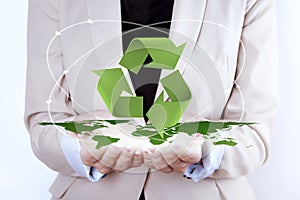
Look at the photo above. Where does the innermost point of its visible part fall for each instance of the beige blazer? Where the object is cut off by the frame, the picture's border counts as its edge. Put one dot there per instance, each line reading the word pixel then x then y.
pixel 230 64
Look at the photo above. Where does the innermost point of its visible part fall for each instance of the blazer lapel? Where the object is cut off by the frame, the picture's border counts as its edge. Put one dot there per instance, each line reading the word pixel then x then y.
pixel 187 18
pixel 106 28
pixel 186 26
pixel 186 22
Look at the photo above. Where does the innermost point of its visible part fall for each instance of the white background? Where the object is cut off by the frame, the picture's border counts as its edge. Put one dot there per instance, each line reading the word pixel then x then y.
pixel 22 176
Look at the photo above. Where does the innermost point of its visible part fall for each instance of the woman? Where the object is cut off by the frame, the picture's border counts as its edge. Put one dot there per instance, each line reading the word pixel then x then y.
pixel 213 30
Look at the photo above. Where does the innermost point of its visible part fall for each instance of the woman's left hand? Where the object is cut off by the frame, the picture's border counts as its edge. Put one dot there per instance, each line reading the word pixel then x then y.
pixel 177 156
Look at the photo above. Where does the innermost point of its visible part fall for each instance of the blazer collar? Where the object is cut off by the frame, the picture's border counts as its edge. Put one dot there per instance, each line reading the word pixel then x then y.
pixel 185 27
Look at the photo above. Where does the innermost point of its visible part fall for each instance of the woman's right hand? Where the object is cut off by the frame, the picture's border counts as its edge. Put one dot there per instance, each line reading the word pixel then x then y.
pixel 107 158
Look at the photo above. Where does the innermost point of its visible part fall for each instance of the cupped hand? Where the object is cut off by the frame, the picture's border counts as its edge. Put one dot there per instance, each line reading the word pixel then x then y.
pixel 107 158
pixel 177 156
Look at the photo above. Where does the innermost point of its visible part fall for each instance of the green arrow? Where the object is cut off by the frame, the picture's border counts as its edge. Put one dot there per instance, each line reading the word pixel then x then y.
pixel 166 114
pixel 165 55
pixel 111 85
pixel 163 52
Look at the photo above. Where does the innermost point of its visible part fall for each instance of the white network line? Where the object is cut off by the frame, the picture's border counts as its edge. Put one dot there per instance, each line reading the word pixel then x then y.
pixel 89 21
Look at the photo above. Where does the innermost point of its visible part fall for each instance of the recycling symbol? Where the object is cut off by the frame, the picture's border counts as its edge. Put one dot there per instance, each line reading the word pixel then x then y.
pixel 112 83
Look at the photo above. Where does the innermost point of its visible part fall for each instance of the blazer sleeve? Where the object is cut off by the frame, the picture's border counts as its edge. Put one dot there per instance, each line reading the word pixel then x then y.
pixel 42 24
pixel 255 94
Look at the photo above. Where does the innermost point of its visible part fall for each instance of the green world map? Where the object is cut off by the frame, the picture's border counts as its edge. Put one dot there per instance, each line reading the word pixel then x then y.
pixel 207 129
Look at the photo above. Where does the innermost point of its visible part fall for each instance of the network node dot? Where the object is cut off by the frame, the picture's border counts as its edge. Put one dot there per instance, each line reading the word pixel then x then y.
pixel 57 33
pixel 90 21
